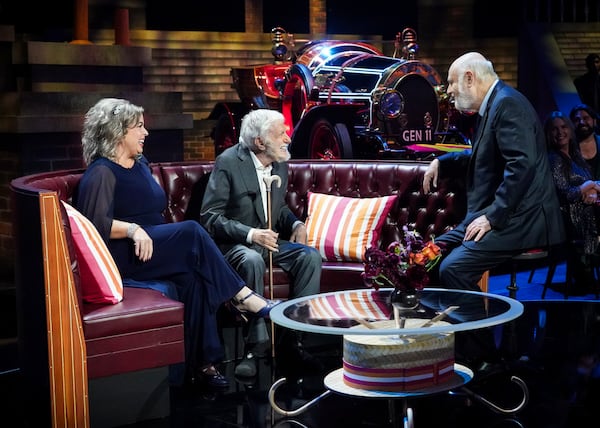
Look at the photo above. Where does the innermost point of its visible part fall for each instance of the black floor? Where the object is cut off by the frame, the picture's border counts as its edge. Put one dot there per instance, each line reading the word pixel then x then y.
pixel 554 347
pixel 556 354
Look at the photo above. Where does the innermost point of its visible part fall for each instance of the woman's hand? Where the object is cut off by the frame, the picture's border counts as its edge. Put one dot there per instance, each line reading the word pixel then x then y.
pixel 589 192
pixel 143 245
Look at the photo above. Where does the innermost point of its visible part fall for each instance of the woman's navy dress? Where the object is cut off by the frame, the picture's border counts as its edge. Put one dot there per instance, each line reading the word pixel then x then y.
pixel 184 253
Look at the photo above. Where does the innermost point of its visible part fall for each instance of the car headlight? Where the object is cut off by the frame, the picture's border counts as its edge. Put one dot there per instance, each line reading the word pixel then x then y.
pixel 391 104
pixel 279 51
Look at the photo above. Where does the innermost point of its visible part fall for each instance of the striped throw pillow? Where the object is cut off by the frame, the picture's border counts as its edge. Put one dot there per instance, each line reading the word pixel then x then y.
pixel 101 281
pixel 342 228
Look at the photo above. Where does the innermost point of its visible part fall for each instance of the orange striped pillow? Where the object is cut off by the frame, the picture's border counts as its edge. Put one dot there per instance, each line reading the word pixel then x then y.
pixel 342 228
pixel 101 281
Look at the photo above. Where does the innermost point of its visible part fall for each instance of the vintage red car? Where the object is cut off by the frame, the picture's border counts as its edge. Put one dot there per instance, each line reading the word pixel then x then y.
pixel 345 99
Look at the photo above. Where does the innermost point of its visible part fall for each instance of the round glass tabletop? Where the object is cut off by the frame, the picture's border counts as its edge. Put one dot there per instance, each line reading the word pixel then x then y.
pixel 337 312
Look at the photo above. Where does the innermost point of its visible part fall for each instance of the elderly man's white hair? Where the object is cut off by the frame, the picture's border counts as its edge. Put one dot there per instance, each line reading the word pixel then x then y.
pixel 477 63
pixel 258 123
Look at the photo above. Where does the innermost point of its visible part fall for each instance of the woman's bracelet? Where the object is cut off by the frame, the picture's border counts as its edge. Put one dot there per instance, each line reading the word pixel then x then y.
pixel 131 229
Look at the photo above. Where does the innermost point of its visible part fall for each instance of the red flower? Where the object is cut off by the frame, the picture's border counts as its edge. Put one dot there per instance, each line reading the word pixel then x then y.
pixel 404 265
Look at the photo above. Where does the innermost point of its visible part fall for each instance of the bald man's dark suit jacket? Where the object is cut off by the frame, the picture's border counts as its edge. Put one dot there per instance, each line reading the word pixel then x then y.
pixel 232 203
pixel 508 177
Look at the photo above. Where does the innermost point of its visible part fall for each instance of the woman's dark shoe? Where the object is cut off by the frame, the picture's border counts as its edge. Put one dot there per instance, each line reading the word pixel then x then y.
pixel 244 311
pixel 210 376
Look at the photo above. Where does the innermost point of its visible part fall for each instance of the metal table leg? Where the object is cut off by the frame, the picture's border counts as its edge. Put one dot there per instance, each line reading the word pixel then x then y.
pixel 300 409
pixel 517 380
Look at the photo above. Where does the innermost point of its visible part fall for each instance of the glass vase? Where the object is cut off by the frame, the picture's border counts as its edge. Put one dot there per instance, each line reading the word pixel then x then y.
pixel 405 299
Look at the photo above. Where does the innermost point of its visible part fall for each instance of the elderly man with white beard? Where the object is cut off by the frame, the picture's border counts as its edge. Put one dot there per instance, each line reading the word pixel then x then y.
pixel 512 205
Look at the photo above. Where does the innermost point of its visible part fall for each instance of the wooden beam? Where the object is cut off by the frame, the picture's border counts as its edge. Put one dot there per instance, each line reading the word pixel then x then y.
pixel 66 342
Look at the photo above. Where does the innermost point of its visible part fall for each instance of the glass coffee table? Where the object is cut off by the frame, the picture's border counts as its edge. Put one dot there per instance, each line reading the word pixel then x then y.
pixel 338 312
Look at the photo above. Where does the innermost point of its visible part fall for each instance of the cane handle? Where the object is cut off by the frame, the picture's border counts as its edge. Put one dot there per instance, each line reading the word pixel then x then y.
pixel 269 179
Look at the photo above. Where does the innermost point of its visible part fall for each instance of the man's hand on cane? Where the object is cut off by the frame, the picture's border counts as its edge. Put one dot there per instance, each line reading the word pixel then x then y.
pixel 266 238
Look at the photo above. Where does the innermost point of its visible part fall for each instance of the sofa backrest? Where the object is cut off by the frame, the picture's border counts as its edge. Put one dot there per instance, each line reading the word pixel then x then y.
pixel 430 214
pixel 184 184
pixel 63 182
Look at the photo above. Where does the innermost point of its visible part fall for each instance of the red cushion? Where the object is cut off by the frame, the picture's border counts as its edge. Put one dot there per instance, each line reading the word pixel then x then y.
pixel 101 281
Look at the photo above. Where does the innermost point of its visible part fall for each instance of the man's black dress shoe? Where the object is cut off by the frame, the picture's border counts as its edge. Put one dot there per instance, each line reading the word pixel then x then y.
pixel 211 377
pixel 247 367
pixel 487 368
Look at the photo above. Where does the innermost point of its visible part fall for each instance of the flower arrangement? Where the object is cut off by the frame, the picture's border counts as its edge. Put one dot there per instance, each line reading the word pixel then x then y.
pixel 404 265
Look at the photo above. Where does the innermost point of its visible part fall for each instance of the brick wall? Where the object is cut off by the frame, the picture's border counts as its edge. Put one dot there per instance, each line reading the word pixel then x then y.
pixel 317 16
pixel 446 32
pixel 198 145
pixel 576 41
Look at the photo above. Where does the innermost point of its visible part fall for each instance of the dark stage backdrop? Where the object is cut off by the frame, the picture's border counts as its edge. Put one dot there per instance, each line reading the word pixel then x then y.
pixel 54 19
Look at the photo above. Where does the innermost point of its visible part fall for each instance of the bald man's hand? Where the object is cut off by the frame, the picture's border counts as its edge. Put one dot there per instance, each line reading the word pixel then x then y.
pixel 430 179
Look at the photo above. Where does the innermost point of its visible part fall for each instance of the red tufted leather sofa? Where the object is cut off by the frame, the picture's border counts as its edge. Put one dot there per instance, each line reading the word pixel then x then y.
pixel 430 214
pixel 114 332
pixel 184 183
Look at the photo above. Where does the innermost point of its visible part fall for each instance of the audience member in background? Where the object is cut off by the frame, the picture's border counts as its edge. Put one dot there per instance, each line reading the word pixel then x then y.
pixel 119 195
pixel 588 84
pixel 584 120
pixel 234 211
pixel 577 193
